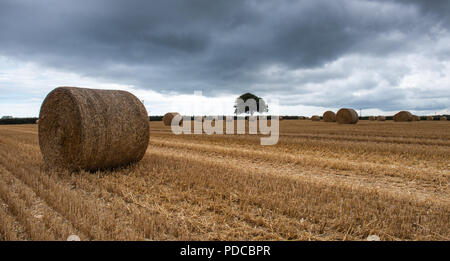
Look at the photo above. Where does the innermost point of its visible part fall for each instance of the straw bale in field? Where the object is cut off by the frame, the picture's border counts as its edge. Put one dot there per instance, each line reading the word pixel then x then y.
pixel 329 116
pixel 167 119
pixel 403 116
pixel 315 118
pixel 92 129
pixel 347 116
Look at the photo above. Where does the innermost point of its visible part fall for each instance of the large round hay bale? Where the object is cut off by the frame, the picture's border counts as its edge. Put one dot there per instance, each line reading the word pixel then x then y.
pixel 92 129
pixel 403 116
pixel 167 119
pixel 430 118
pixel 415 118
pixel 315 118
pixel 37 121
pixel 371 118
pixel 443 118
pixel 381 118
pixel 347 116
pixel 329 116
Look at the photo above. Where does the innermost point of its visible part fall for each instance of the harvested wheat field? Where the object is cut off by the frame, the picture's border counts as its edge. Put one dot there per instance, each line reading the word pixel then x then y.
pixel 320 182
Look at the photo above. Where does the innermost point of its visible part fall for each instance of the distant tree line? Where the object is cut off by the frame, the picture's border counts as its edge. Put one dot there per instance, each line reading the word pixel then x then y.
pixel 32 120
pixel 9 120
pixel 159 118
pixel 422 118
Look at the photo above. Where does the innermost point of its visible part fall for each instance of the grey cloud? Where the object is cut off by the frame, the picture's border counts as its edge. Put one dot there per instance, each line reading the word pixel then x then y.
pixel 219 46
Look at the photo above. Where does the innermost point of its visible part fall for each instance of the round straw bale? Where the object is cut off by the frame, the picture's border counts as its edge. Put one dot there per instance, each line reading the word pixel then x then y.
pixel 347 116
pixel 371 118
pixel 280 118
pixel 403 116
pixel 415 118
pixel 167 119
pixel 315 118
pixel 429 118
pixel 329 116
pixel 381 118
pixel 37 121
pixel 92 129
pixel 443 118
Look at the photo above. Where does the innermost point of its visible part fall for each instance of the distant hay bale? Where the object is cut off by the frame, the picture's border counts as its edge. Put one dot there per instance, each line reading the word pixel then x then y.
pixel 315 118
pixel 415 118
pixel 280 118
pixel 381 118
pixel 92 129
pixel 371 118
pixel 347 116
pixel 403 116
pixel 167 119
pixel 329 116
pixel 443 118
pixel 37 122
pixel 430 118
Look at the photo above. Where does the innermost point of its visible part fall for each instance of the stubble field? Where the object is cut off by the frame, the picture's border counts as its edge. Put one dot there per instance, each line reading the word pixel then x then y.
pixel 322 181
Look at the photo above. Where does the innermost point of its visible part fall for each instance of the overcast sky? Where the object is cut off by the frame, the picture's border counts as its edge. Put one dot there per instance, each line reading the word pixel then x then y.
pixel 307 56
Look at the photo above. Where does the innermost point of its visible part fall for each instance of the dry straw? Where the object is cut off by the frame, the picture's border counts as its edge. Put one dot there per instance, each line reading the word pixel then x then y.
pixel 329 116
pixel 92 129
pixel 167 119
pixel 429 118
pixel 37 122
pixel 443 118
pixel 415 118
pixel 403 116
pixel 381 118
pixel 371 118
pixel 315 118
pixel 347 116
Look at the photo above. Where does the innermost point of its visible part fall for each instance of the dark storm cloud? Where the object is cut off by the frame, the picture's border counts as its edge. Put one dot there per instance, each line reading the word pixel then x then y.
pixel 216 46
